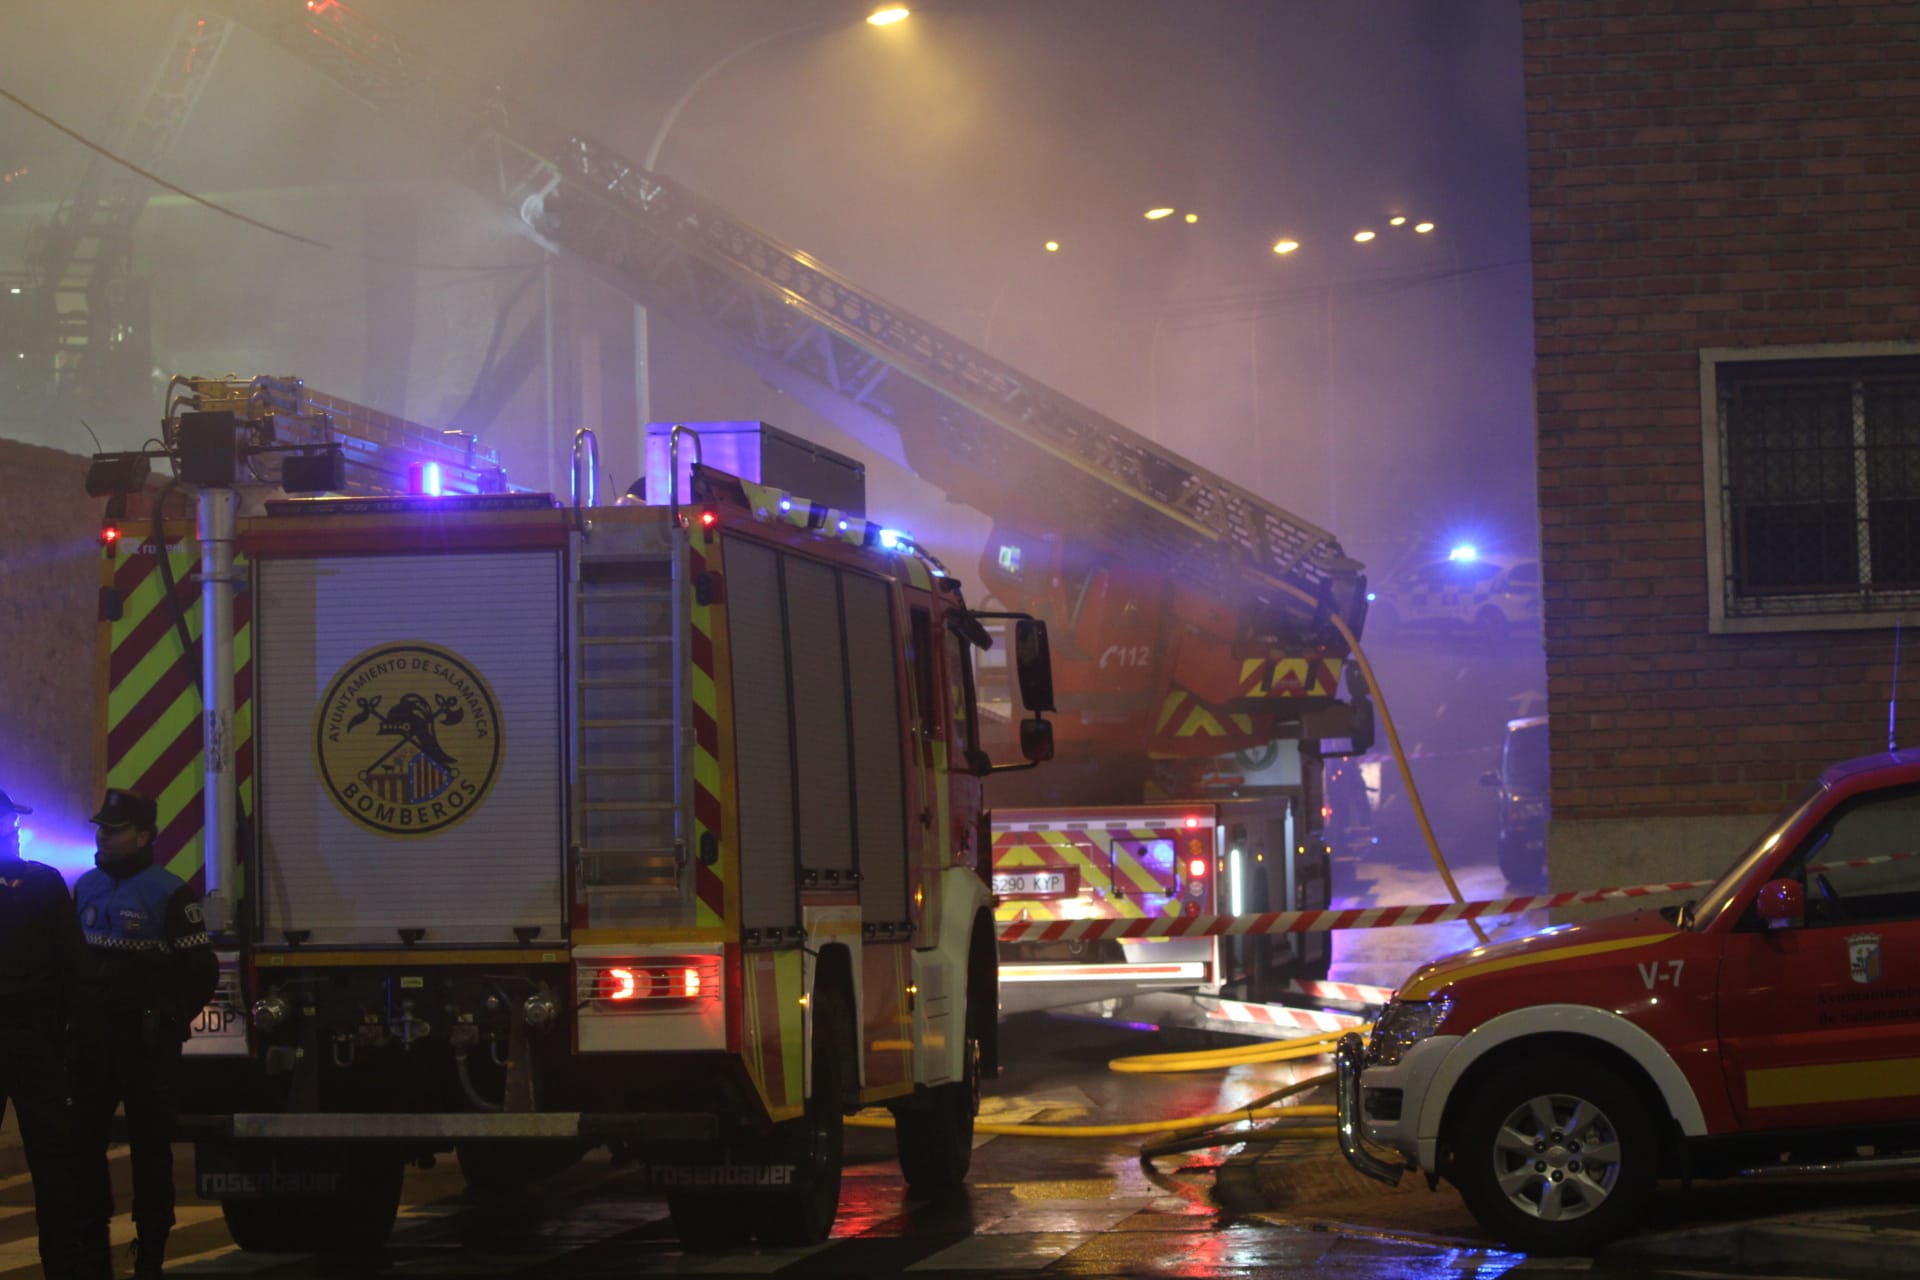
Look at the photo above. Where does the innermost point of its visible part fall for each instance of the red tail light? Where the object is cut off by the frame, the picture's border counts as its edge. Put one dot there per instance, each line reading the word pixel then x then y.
pixel 109 535
pixel 658 982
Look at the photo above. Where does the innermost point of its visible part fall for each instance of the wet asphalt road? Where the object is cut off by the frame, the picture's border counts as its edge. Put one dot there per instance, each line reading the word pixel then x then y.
pixel 1034 1206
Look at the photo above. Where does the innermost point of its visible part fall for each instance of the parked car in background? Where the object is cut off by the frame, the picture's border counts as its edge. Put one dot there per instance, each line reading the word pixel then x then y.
pixel 1487 595
pixel 1521 785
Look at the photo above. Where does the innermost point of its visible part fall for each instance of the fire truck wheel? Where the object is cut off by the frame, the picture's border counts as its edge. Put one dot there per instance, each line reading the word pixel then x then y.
pixel 1556 1155
pixel 357 1219
pixel 267 1226
pixel 815 1143
pixel 935 1137
pixel 705 1221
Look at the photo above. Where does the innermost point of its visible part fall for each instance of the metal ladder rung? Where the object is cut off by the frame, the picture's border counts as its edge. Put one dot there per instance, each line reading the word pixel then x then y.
pixel 629 806
pixel 611 682
pixel 590 594
pixel 651 722
pixel 608 769
pixel 612 640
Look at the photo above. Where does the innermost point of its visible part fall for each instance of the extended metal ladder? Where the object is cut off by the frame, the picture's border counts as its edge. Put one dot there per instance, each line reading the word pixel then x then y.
pixel 629 789
pixel 984 431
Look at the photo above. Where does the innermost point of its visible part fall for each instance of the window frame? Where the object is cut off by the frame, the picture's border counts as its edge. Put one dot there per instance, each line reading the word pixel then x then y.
pixel 1809 611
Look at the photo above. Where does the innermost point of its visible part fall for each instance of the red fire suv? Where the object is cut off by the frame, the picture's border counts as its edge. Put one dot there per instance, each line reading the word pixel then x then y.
pixel 1773 1021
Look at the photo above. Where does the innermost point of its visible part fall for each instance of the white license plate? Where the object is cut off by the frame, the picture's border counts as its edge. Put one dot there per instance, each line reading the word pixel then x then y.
pixel 219 1031
pixel 1034 884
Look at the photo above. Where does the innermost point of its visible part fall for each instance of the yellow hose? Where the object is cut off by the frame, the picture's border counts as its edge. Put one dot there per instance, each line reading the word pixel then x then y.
pixel 1399 753
pixel 873 1119
pixel 1312 1046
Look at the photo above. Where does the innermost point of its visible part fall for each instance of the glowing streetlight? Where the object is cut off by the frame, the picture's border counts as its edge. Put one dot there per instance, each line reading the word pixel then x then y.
pixel 1423 227
pixel 1154 215
pixel 1193 217
pixel 1399 220
pixel 888 16
pixel 1361 237
pixel 1053 246
pixel 1286 246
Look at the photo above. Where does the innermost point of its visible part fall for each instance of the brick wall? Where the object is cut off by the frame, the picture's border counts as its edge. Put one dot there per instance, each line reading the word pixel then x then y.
pixel 49 588
pixel 1701 174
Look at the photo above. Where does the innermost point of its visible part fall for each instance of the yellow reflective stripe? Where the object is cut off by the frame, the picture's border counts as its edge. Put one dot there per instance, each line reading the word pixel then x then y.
pixel 182 713
pixel 789 979
pixel 1423 988
pixel 1833 1082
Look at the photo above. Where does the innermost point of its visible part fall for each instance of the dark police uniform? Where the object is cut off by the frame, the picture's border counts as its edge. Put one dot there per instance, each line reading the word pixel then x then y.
pixel 40 952
pixel 149 970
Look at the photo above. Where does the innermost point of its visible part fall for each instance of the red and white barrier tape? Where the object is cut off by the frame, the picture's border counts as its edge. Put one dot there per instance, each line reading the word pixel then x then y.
pixel 1276 1015
pixel 1343 992
pixel 1316 921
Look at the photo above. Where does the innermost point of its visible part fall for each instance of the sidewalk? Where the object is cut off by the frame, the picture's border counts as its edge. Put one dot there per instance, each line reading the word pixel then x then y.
pixel 1880 1241
pixel 1721 1226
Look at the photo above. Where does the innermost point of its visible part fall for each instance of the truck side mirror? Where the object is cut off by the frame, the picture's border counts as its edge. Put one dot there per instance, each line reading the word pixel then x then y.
pixel 1033 659
pixel 1782 904
pixel 1036 739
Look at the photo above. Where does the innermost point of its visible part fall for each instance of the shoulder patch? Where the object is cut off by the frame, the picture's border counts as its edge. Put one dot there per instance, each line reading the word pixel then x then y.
pixel 194 915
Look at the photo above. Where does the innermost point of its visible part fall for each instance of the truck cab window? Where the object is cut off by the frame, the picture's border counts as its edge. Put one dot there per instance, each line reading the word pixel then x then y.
pixel 963 726
pixel 923 683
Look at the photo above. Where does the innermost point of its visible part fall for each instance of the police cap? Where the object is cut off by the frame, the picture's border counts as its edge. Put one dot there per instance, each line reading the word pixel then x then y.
pixel 127 809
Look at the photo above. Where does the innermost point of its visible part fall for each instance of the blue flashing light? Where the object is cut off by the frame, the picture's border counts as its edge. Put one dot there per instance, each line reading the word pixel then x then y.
pixel 786 504
pixel 843 526
pixel 1464 553
pixel 1370 597
pixel 69 856
pixel 938 573
pixel 424 478
pixel 895 540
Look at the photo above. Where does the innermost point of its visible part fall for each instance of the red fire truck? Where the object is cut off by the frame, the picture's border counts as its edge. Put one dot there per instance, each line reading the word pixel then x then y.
pixel 528 827
pixel 1771 1025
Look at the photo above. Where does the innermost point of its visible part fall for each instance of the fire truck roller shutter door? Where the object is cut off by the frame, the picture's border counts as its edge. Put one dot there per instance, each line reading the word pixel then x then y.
pixel 824 764
pixel 408 716
pixel 763 737
pixel 879 775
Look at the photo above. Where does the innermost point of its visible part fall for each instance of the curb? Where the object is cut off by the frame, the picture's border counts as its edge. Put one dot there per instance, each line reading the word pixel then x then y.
pixel 1853 1244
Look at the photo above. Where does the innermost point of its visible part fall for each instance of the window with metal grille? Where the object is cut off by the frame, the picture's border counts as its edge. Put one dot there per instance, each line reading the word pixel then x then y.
pixel 1816 509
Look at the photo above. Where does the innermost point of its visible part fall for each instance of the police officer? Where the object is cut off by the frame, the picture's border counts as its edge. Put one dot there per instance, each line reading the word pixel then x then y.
pixel 40 953
pixel 149 969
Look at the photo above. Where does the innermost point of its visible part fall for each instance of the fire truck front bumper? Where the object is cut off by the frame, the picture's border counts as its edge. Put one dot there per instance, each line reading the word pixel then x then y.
pixel 458 1126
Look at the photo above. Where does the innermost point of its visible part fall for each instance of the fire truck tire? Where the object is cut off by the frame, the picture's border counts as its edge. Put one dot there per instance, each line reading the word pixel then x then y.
pixel 934 1134
pixel 1556 1155
pixel 267 1226
pixel 705 1221
pixel 357 1219
pixel 815 1144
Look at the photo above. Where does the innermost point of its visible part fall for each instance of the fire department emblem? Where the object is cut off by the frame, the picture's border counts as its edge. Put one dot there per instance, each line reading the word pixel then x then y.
pixel 408 739
pixel 1863 957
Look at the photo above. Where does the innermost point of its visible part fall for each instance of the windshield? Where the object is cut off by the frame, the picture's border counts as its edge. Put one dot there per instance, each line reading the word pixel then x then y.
pixel 1720 896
